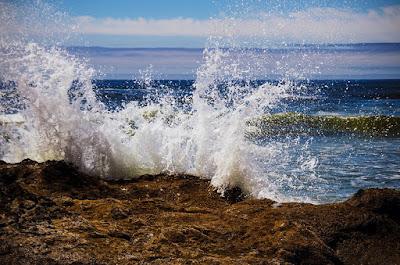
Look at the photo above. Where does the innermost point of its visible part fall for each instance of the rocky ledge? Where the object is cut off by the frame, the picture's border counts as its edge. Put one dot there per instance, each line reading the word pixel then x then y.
pixel 52 214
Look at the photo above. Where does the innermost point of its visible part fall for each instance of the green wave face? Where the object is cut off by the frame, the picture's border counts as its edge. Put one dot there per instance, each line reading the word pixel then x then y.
pixel 292 123
pixel 296 123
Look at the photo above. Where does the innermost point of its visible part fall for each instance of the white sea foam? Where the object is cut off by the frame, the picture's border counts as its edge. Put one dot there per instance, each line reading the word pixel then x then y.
pixel 210 142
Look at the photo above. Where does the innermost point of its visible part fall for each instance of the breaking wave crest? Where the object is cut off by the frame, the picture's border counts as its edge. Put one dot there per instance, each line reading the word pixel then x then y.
pixel 61 119
pixel 64 120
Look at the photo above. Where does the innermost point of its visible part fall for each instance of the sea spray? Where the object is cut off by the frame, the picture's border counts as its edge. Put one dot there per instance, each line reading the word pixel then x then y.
pixel 65 121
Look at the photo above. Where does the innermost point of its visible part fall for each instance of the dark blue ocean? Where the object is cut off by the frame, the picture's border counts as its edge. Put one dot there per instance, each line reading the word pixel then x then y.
pixel 318 97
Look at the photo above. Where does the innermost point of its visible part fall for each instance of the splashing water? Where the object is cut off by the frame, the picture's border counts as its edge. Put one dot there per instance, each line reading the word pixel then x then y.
pixel 63 120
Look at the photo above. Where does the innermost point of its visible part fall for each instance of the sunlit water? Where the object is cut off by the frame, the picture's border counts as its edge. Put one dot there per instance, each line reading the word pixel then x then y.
pixel 215 127
pixel 345 162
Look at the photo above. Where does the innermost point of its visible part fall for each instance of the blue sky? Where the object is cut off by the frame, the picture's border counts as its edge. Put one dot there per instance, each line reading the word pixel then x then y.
pixel 190 23
pixel 199 9
pixel 149 9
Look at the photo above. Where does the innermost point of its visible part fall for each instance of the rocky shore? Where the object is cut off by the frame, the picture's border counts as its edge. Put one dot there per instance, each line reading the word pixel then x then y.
pixel 52 214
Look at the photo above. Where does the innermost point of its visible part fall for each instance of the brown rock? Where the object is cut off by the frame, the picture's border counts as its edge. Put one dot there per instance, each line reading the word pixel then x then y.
pixel 118 213
pixel 120 234
pixel 52 214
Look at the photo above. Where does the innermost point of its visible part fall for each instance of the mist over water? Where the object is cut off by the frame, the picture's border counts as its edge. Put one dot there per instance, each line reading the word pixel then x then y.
pixel 206 133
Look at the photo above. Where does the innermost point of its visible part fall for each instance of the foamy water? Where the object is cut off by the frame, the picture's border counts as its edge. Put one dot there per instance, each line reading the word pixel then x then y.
pixel 209 141
pixel 63 120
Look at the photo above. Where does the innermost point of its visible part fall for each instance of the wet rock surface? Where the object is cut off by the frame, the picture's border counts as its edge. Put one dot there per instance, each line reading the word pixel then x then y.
pixel 52 214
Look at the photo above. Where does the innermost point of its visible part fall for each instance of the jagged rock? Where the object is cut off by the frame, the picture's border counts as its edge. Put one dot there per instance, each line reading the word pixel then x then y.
pixel 52 214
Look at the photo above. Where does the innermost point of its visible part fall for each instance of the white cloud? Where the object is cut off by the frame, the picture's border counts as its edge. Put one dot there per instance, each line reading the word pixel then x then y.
pixel 311 25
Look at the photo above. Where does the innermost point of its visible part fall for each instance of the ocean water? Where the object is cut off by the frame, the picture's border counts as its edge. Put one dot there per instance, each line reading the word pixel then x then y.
pixel 269 121
pixel 322 61
pixel 355 149
pixel 340 161
pixel 320 141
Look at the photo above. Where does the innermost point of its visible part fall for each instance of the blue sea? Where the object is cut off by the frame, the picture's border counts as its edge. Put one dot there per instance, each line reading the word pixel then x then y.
pixel 323 61
pixel 311 123
pixel 347 159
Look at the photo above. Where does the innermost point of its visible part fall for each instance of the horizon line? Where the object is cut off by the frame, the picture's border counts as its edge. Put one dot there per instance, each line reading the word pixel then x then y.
pixel 269 47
